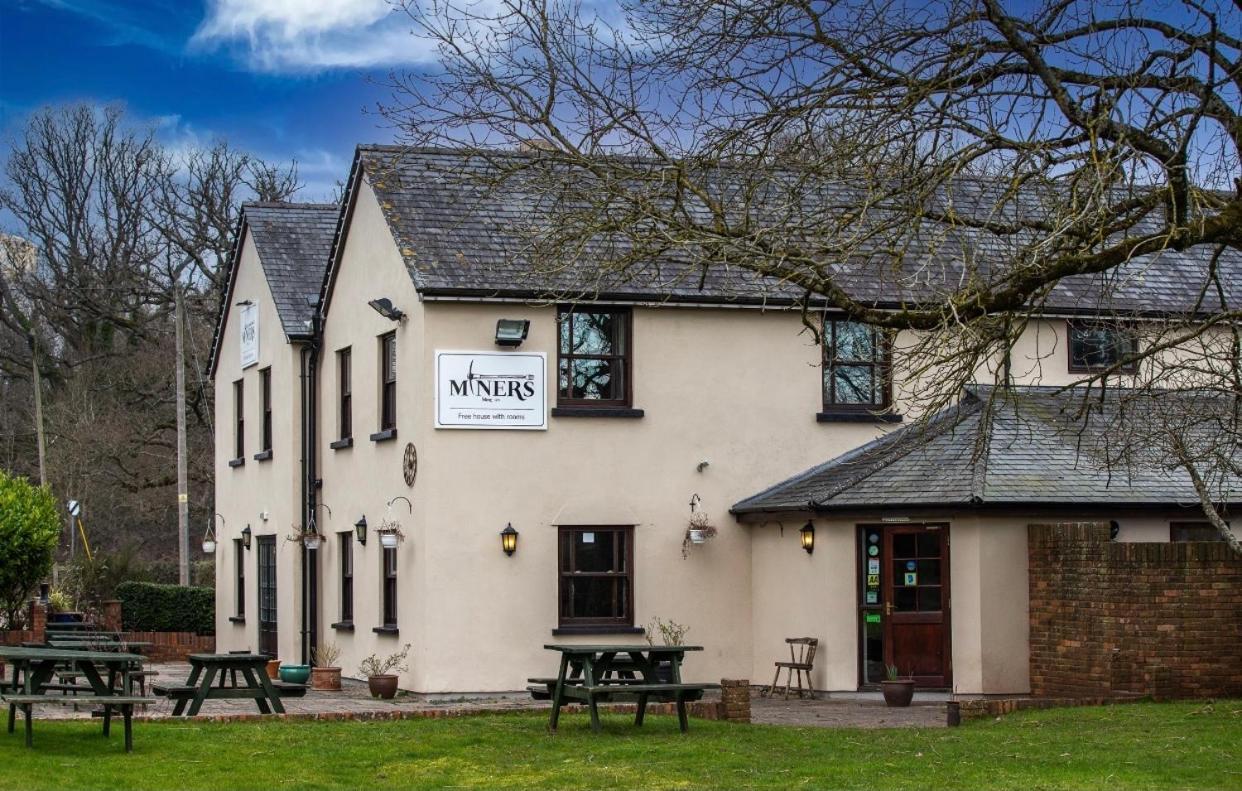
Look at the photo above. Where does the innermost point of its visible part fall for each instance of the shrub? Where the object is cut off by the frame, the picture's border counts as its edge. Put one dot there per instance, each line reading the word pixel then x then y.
pixel 151 607
pixel 29 531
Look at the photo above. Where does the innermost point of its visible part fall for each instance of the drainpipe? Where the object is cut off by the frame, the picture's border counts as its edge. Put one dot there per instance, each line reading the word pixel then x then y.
pixel 310 492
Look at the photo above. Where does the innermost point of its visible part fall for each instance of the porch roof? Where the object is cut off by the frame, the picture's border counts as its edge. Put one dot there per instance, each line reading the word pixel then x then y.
pixel 1020 446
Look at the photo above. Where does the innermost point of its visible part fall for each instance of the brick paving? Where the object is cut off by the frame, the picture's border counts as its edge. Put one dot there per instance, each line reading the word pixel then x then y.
pixel 354 701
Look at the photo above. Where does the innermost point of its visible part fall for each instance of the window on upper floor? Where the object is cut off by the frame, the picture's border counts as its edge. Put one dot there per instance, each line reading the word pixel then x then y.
pixel 239 419
pixel 265 397
pixel 388 381
pixel 856 368
pixel 345 411
pixel 1193 531
pixel 596 576
pixel 594 358
pixel 1097 346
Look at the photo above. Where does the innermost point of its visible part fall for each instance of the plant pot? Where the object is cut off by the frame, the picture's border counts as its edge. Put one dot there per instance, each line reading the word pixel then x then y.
pixel 295 674
pixel 311 542
pixel 273 668
pixel 65 617
pixel 697 537
pixel 326 679
pixel 898 693
pixel 384 687
pixel 388 540
pixel 209 547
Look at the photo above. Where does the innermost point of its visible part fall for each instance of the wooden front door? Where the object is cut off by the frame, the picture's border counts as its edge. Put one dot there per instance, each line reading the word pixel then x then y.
pixel 915 586
pixel 267 595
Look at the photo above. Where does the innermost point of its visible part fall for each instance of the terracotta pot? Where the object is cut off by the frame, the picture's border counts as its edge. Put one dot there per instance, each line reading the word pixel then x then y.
pixel 326 679
pixel 898 693
pixel 273 669
pixel 383 686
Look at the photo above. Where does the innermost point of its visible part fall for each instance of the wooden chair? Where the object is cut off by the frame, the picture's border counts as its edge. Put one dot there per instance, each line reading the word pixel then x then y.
pixel 801 660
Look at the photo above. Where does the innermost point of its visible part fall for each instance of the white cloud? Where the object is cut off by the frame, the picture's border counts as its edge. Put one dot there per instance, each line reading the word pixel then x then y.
pixel 312 35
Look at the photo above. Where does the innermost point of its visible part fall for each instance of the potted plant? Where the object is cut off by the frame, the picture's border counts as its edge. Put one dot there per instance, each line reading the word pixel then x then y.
pixel 380 678
pixel 326 675
pixel 699 531
pixel 273 669
pixel 295 674
pixel 898 691
pixel 390 534
pixel 310 538
pixel 60 607
pixel 671 633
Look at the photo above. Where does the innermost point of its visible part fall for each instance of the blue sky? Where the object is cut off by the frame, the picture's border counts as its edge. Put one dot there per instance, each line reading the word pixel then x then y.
pixel 282 78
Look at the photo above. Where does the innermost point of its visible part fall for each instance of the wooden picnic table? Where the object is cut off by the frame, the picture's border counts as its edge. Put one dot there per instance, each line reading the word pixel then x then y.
pixel 122 646
pixel 203 671
pixel 593 674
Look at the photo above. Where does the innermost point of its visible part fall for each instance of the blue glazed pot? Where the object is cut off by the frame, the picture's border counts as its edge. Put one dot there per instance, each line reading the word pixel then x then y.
pixel 294 674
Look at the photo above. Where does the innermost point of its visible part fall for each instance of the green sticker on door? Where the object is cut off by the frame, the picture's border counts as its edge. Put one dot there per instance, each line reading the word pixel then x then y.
pixel 872 617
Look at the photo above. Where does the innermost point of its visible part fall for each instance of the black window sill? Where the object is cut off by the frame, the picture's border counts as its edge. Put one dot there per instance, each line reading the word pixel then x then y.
pixel 237 619
pixel 239 461
pixel 389 630
pixel 597 629
pixel 343 626
pixel 385 435
pixel 596 411
pixel 263 455
pixel 857 417
pixel 343 442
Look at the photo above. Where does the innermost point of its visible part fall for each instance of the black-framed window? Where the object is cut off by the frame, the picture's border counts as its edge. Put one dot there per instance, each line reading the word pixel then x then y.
pixel 239 578
pixel 239 419
pixel 344 378
pixel 389 593
pixel 1096 346
pixel 347 577
pixel 388 381
pixel 595 356
pixel 596 576
pixel 857 369
pixel 1193 531
pixel 265 393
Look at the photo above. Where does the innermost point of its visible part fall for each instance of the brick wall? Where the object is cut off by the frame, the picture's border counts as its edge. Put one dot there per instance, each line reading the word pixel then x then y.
pixel 1115 619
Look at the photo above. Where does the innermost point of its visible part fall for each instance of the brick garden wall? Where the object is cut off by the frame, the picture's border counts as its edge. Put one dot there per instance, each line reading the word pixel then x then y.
pixel 165 646
pixel 1114 619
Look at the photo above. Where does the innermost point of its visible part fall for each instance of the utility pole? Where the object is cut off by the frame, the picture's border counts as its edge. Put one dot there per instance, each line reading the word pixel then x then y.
pixel 183 495
pixel 38 396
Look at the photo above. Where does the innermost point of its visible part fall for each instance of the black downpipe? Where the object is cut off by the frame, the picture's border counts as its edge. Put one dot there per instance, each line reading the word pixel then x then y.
pixel 310 493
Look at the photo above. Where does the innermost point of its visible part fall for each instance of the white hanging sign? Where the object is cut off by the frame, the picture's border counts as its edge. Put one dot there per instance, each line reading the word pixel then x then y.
pixel 492 390
pixel 249 335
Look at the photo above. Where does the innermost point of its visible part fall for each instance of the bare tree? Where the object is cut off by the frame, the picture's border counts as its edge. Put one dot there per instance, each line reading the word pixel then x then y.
pixel 938 169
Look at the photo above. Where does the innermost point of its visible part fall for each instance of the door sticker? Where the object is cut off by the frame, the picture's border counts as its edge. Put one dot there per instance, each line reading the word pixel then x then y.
pixel 873 550
pixel 873 565
pixel 873 617
pixel 912 578
pixel 873 580
pixel 910 565
pixel 873 597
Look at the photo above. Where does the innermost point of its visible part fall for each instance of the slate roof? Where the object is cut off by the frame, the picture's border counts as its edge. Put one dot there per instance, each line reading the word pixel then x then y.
pixel 293 241
pixel 1024 446
pixel 461 237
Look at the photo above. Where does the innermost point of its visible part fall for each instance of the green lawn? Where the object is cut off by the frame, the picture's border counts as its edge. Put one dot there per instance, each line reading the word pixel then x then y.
pixel 1182 745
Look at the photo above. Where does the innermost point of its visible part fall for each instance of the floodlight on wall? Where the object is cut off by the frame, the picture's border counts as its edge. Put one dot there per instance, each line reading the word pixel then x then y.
pixel 360 530
pixel 511 332
pixel 246 537
pixel 384 307
pixel 807 534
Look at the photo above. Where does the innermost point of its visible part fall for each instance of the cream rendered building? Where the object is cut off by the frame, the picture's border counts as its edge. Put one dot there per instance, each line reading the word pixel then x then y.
pixel 678 396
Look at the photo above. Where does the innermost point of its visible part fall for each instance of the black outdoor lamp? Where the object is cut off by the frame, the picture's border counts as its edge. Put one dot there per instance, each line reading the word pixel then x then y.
pixel 511 332
pixel 384 307
pixel 360 529
pixel 508 539
pixel 246 537
pixel 807 534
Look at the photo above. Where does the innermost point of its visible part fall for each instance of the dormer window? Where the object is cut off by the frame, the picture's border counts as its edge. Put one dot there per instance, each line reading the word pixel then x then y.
pixel 1097 346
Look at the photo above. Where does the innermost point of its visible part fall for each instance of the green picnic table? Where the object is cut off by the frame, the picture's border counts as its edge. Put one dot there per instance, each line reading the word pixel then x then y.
pixel 36 666
pixel 203 671
pixel 594 674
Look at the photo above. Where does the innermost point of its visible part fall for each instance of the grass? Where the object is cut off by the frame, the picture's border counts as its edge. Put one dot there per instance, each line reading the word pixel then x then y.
pixel 1147 745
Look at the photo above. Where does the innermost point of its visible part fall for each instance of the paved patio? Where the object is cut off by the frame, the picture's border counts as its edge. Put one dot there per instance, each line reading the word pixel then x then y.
pixel 858 710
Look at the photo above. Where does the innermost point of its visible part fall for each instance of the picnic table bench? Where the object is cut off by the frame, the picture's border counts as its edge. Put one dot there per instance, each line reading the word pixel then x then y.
pixel 594 674
pixel 36 666
pixel 198 688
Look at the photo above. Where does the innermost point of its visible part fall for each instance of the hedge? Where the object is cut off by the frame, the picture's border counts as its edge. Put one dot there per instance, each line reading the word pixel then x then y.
pixel 151 607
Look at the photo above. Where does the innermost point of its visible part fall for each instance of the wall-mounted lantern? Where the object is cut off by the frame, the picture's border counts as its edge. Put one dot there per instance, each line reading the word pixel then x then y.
pixel 508 539
pixel 807 534
pixel 511 332
pixel 246 537
pixel 360 530
pixel 384 307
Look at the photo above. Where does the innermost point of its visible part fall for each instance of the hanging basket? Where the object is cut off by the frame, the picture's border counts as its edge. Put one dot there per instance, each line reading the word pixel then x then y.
pixel 209 546
pixel 389 540
pixel 698 536
pixel 312 541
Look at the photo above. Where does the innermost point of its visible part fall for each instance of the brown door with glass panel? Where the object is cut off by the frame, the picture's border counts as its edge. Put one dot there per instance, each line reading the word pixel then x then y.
pixel 267 595
pixel 915 589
